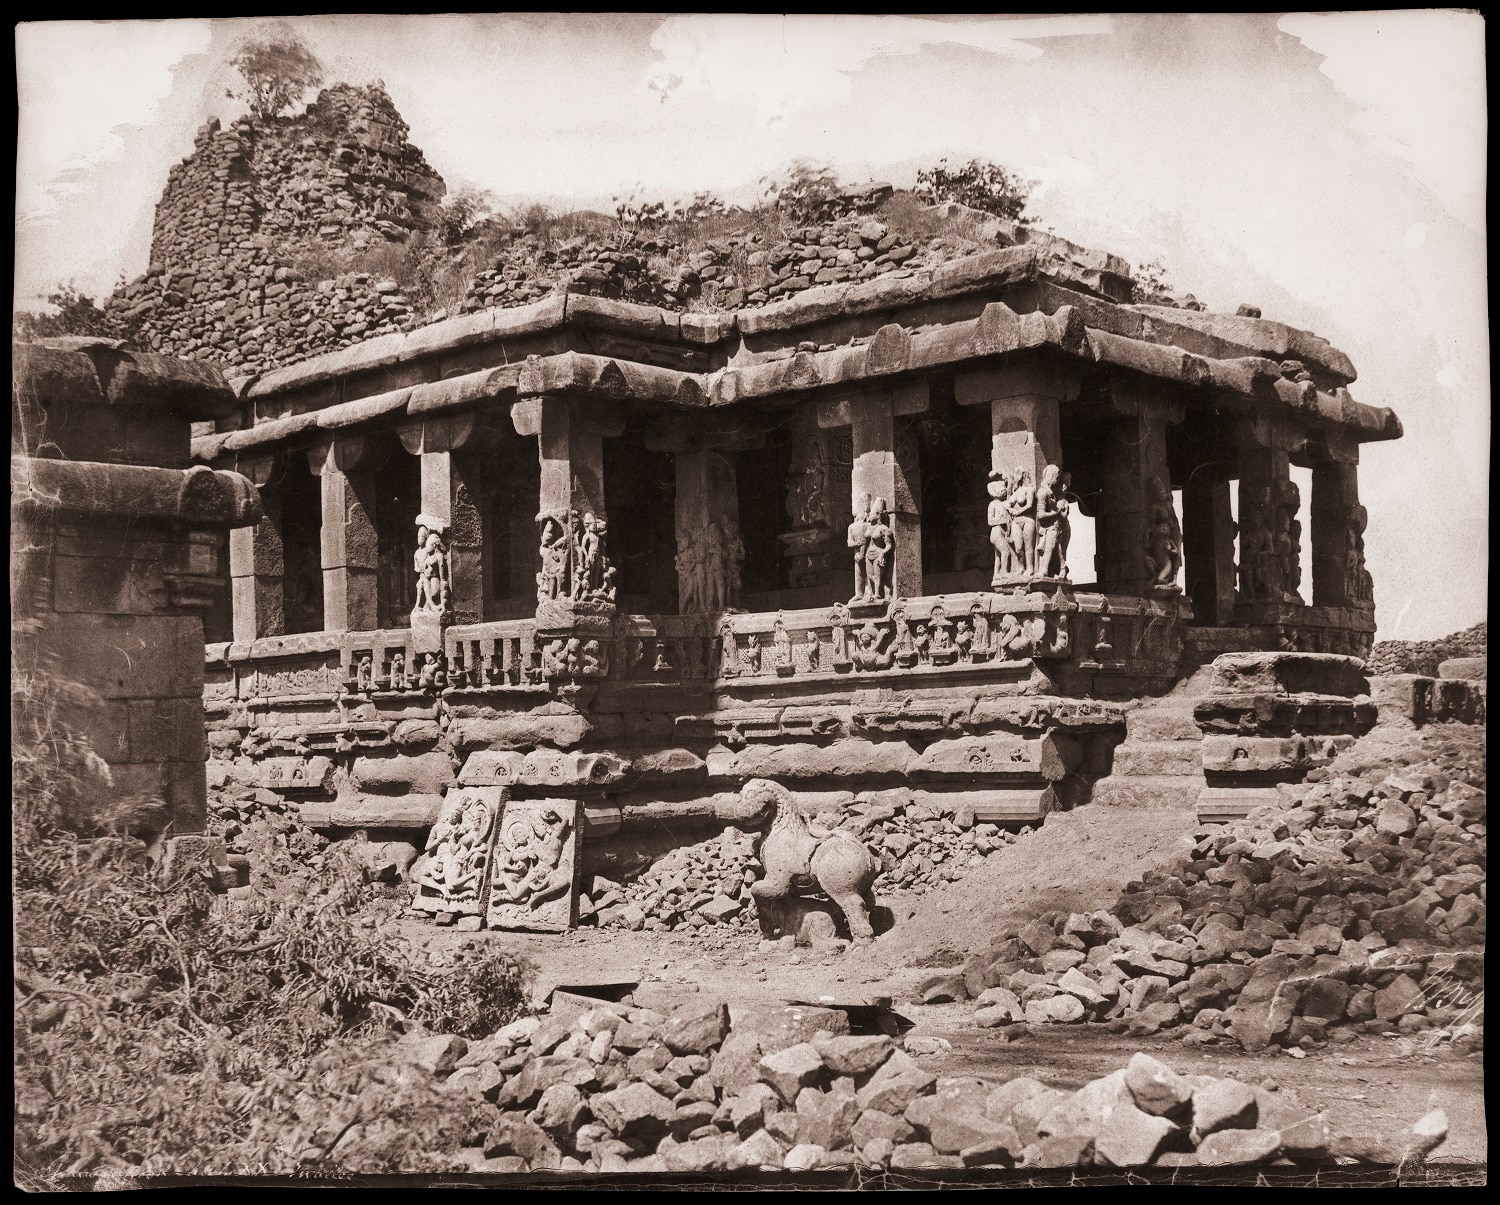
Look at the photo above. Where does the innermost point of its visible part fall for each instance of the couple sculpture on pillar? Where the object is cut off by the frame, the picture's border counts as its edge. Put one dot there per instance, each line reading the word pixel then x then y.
pixel 874 545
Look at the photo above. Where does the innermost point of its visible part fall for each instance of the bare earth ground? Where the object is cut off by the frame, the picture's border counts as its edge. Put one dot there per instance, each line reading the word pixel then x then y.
pixel 1077 861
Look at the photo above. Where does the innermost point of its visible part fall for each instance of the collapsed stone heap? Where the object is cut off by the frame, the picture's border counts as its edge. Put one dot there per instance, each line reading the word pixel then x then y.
pixel 1357 904
pixel 1424 656
pixel 596 1086
pixel 708 882
pixel 256 208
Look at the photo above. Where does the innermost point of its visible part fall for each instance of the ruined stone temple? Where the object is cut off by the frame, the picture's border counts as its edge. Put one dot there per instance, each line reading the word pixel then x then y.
pixel 540 589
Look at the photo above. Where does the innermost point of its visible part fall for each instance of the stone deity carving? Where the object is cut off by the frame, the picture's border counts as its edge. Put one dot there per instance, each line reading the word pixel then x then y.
pixel 880 545
pixel 999 488
pixel 552 581
pixel 588 553
pixel 450 878
pixel 1021 506
pixel 693 571
pixel 434 585
pixel 1289 541
pixel 858 541
pixel 364 675
pixel 1163 536
pixel 398 672
pixel 868 652
pixel 1359 586
pixel 1053 528
pixel 531 864
pixel 427 675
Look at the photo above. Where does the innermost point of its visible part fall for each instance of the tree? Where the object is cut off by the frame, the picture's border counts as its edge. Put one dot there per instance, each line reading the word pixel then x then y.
pixel 76 315
pixel 979 184
pixel 278 69
pixel 1152 287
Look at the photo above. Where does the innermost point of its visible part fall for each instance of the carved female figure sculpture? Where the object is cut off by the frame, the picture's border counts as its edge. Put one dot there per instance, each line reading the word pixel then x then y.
pixel 782 639
pixel 431 560
pixel 880 544
pixel 364 675
pixel 999 488
pixel 1022 507
pixel 398 672
pixel 1052 525
pixel 586 554
pixel 858 541
pixel 552 581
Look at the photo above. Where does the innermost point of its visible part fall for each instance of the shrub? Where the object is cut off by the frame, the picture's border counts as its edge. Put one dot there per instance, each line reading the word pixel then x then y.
pixel 75 315
pixel 1152 287
pixel 979 184
pixel 809 194
pixel 158 1031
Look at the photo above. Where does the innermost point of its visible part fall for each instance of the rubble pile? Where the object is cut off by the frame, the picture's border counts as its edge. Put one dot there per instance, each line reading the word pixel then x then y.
pixel 737 270
pixel 1424 656
pixel 1358 905
pixel 610 1087
pixel 708 883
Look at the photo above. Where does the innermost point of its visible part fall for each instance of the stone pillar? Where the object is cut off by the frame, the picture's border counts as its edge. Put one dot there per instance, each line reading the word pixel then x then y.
pixel 710 554
pixel 257 564
pixel 1024 400
pixel 886 467
pixel 1135 470
pixel 1264 478
pixel 451 481
pixel 570 444
pixel 1208 531
pixel 351 548
pixel 1337 534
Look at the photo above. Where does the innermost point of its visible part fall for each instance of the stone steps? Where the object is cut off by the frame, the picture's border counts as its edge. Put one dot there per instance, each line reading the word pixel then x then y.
pixel 1162 725
pixel 1155 758
pixel 1148 790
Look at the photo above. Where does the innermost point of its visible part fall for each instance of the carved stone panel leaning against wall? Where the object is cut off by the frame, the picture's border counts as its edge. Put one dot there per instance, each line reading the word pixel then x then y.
pixel 661 556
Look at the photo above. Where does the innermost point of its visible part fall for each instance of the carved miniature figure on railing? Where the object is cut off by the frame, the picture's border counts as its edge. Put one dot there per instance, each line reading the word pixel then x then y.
pixel 1163 537
pixel 364 675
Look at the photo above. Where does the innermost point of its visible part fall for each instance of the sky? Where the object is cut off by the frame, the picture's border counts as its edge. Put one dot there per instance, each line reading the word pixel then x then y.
pixel 1329 168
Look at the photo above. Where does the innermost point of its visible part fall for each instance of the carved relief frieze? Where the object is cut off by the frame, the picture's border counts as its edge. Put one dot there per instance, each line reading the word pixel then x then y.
pixel 532 885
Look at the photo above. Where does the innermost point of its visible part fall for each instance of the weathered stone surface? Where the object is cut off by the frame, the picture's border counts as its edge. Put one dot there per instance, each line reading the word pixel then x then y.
pixel 895 1085
pixel 633 1110
pixel 1129 1137
pixel 853 1055
pixel 1228 1148
pixel 437 1053
pixel 1223 1105
pixel 789 1071
pixel 696 1027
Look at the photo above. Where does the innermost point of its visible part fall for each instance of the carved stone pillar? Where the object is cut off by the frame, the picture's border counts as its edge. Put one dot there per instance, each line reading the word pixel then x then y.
pixel 576 589
pixel 257 564
pixel 1269 543
pixel 451 481
pixel 885 470
pixel 1208 531
pixel 1340 578
pixel 1025 438
pixel 710 554
pixel 1140 540
pixel 351 548
pixel 818 489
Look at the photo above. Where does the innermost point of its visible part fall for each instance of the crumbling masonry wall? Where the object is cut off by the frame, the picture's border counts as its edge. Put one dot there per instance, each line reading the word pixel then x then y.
pixel 254 207
pixel 115 558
